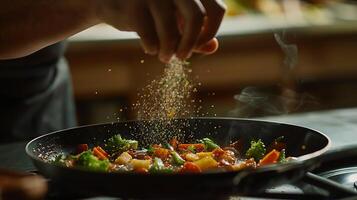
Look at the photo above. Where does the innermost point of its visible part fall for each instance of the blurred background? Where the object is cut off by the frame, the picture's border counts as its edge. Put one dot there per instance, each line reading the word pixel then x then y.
pixel 275 57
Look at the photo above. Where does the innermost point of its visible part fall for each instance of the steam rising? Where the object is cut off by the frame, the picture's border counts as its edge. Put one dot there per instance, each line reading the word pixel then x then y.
pixel 282 99
pixel 290 51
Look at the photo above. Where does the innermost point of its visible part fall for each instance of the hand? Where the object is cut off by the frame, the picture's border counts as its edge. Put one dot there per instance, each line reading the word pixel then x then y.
pixel 16 186
pixel 167 27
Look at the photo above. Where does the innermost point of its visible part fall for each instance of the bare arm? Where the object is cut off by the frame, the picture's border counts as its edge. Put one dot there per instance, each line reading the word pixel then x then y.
pixel 27 26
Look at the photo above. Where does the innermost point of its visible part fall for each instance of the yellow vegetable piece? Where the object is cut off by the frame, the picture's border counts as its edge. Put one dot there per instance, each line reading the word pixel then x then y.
pixel 140 164
pixel 206 163
pixel 192 157
pixel 204 154
pixel 123 159
pixel 239 166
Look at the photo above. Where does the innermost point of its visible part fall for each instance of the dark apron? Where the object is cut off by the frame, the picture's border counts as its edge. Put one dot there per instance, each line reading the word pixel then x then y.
pixel 35 95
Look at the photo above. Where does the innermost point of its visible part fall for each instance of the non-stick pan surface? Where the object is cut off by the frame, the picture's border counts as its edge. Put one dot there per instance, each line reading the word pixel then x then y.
pixel 301 142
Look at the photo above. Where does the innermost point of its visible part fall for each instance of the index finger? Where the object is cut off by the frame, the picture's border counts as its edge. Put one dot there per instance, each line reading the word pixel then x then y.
pixel 215 10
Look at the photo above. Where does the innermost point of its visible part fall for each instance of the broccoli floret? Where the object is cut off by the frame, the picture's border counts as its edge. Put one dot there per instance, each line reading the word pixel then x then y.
pixel 159 167
pixel 282 156
pixel 119 144
pixel 89 161
pixel 257 150
pixel 209 144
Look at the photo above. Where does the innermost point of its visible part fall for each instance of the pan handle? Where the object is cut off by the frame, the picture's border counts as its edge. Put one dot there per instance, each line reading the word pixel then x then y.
pixel 333 158
pixel 339 153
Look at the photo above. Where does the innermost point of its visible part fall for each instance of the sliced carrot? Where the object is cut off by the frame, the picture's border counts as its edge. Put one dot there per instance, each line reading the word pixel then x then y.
pixel 102 151
pixel 270 158
pixel 82 147
pixel 98 153
pixel 161 153
pixel 198 147
pixel 190 167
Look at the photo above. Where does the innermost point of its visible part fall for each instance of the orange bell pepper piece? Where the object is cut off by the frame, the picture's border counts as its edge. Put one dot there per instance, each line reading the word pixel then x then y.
pixel 190 167
pixel 270 158
pixel 161 153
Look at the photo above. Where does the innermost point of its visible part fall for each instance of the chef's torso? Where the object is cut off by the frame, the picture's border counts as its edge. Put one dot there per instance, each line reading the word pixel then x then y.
pixel 35 94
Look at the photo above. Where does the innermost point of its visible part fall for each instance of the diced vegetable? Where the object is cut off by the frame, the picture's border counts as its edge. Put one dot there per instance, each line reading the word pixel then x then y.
pixel 206 163
pixel 161 153
pixel 176 158
pixel 282 156
pixel 191 157
pixel 137 164
pixel 204 154
pixel 118 144
pixel 270 158
pixel 218 152
pixel 209 144
pixel 159 167
pixel 123 159
pixel 190 167
pixel 239 166
pixel 197 147
pixel 257 150
pixel 81 148
pixel 168 146
pixel 150 150
pixel 88 161
pixel 122 155
pixel 191 149
pixel 100 153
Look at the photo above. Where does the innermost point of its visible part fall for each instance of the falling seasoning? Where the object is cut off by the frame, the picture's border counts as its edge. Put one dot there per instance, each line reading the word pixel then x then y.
pixel 165 100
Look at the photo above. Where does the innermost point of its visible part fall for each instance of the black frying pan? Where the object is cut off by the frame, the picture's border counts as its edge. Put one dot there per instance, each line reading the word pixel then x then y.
pixel 304 143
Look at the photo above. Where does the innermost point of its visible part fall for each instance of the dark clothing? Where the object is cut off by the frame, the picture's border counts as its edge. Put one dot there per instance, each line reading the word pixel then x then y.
pixel 35 95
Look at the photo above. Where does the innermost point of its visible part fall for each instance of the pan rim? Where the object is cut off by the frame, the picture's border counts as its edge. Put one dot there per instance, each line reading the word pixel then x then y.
pixel 275 167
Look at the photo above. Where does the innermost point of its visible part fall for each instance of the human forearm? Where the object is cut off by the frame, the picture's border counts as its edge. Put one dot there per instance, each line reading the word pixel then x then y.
pixel 166 27
pixel 27 26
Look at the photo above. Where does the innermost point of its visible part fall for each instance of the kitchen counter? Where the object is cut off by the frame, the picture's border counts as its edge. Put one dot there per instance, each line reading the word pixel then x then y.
pixel 326 53
pixel 340 125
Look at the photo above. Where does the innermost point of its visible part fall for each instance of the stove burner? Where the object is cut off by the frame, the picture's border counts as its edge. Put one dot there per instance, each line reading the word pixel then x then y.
pixel 345 176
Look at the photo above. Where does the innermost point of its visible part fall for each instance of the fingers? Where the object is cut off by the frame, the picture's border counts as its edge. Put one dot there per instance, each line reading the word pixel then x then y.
pixel 163 13
pixel 145 28
pixel 208 48
pixel 164 33
pixel 215 10
pixel 193 13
